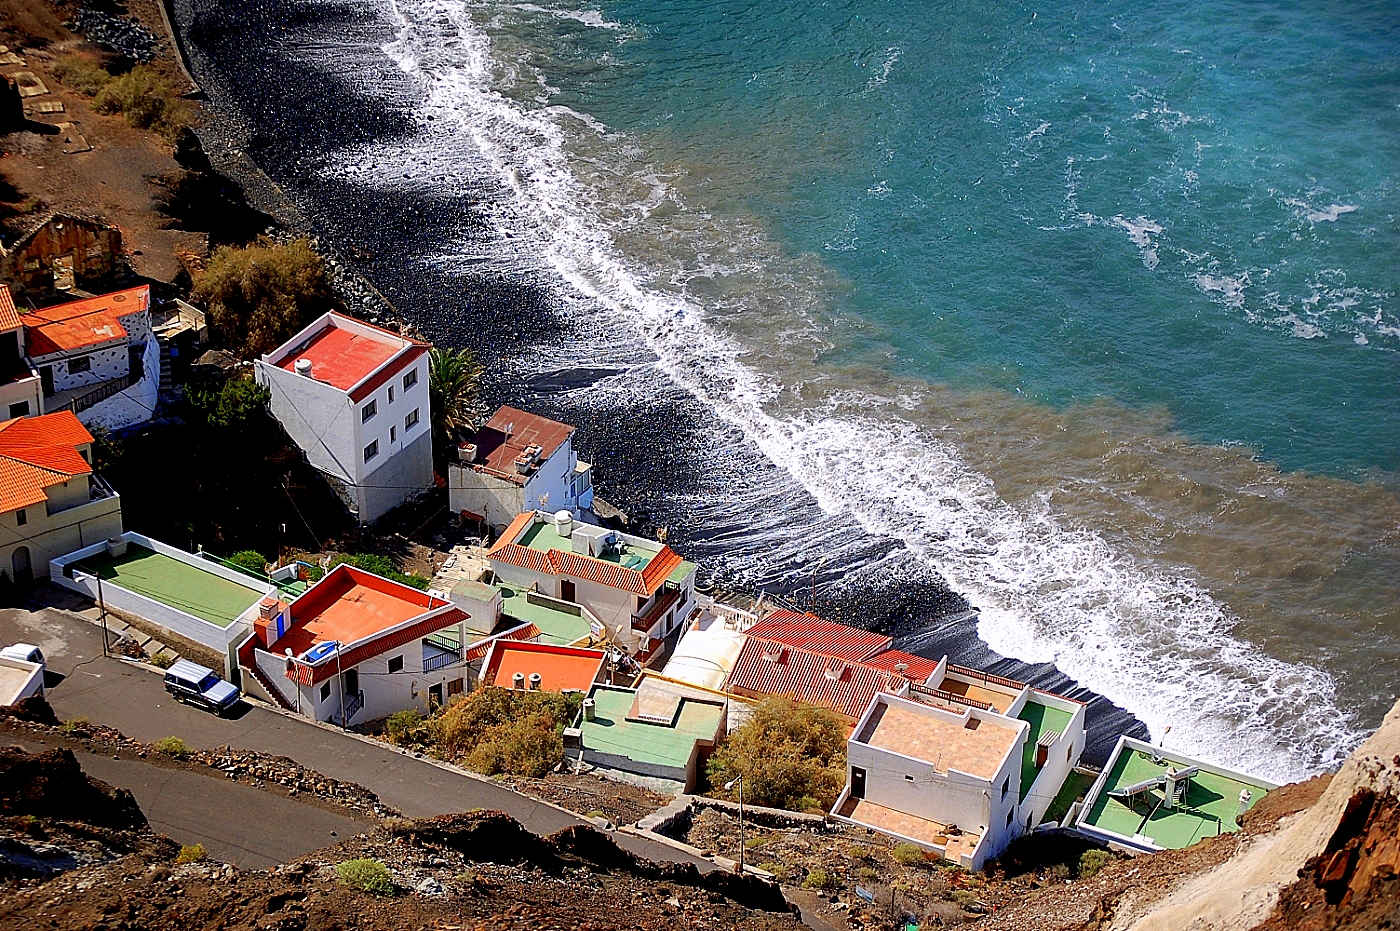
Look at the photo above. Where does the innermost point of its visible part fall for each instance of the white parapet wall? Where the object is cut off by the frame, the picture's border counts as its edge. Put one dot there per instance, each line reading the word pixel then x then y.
pixel 162 615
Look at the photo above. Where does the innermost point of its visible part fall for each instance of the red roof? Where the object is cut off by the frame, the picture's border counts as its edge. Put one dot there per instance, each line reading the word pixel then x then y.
pixel 350 605
pixel 79 324
pixel 559 668
pixel 342 358
pixel 812 633
pixel 523 632
pixel 588 568
pixel 920 668
pixel 9 316
pixel 497 449
pixel 37 453
pixel 770 667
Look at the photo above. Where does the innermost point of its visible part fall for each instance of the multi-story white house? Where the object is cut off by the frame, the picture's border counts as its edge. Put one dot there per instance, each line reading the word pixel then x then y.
pixel 963 764
pixel 519 462
pixel 354 397
pixel 51 500
pixel 639 590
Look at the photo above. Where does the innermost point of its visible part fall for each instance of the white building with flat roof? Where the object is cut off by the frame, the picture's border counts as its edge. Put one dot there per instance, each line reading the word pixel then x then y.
pixel 354 397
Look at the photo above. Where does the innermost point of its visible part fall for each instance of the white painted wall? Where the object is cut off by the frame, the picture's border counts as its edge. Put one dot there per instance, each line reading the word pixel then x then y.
pixel 76 521
pixel 22 391
pixel 136 404
pixel 1063 757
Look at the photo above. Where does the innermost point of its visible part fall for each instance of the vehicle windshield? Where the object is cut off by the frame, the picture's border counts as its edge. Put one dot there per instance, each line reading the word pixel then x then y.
pixel 208 682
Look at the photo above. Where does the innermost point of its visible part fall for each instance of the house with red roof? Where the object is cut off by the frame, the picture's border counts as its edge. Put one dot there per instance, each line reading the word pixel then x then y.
pixel 51 500
pixel 357 647
pixel 513 664
pixel 354 397
pixel 639 590
pixel 20 388
pixel 518 462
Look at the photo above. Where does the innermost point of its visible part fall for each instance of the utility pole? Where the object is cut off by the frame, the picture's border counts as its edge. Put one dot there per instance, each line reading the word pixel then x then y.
pixel 103 606
pixel 340 684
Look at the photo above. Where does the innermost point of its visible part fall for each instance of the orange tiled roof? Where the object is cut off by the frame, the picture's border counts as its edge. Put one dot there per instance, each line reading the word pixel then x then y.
pixel 9 316
pixel 37 453
pixel 588 568
pixel 88 322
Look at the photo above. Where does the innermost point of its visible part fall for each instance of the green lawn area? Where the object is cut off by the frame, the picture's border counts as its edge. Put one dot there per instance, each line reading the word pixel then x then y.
pixel 181 586
pixel 1042 719
pixel 558 627
pixel 642 742
pixel 1209 807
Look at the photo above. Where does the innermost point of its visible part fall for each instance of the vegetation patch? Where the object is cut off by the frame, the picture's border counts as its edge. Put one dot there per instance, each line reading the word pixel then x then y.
pixel 790 756
pixel 147 100
pixel 190 853
pixel 366 875
pixel 495 731
pixel 81 74
pixel 260 295
pixel 383 566
pixel 1091 861
pixel 173 746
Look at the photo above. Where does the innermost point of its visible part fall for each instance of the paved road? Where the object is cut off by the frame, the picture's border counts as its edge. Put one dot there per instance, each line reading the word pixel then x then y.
pixel 236 823
pixel 133 700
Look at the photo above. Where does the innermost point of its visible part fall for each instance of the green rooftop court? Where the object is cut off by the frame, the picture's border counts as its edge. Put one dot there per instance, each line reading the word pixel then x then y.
pixel 556 625
pixel 1043 720
pixel 177 584
pixel 643 742
pixel 1208 808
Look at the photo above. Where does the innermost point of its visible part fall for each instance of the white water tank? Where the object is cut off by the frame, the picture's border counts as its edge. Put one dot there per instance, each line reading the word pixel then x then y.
pixel 303 367
pixel 467 452
pixel 564 524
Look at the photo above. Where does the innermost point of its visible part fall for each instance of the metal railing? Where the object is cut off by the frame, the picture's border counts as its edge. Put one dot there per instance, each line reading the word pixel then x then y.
pixel 97 395
pixel 951 697
pixel 448 657
pixel 986 677
pixel 353 706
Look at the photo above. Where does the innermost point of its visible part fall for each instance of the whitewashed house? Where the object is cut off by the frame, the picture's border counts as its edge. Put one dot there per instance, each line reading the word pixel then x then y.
pixel 357 647
pixel 639 590
pixel 354 397
pixel 21 392
pixel 97 357
pixel 518 462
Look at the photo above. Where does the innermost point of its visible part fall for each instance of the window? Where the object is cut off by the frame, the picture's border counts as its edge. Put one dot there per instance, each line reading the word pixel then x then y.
pixel 1005 788
pixel 908 778
pixel 325 691
pixel 391 394
pixel 1069 753
pixel 410 379
pixel 396 664
pixel 21 518
pixel 368 411
pixel 19 409
pixel 80 364
pixel 371 450
pixel 1008 819
pixel 641 602
pixel 411 420
pixel 454 687
pixel 393 434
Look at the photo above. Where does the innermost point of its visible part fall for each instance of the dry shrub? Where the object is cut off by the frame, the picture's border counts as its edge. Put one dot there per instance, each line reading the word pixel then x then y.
pixel 790 755
pixel 147 99
pixel 81 75
pixel 260 295
pixel 496 730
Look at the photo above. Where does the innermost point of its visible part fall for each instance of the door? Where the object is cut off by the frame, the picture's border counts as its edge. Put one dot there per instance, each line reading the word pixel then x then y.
pixel 435 695
pixel 567 591
pixel 24 574
pixel 352 682
pixel 857 782
pixel 46 380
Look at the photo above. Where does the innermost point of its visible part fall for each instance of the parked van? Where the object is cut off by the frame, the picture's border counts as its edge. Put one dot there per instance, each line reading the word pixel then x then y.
pixel 200 685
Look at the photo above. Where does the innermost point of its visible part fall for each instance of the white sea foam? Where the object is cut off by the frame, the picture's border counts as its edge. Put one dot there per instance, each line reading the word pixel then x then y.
pixel 1144 635
pixel 1328 214
pixel 878 79
pixel 587 17
pixel 1038 131
pixel 1141 231
pixel 1229 289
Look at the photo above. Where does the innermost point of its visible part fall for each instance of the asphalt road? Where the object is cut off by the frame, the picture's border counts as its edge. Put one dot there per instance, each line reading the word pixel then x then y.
pixel 133 700
pixel 236 823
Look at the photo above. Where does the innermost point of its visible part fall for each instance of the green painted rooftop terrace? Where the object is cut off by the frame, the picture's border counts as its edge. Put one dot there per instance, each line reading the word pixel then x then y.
pixel 543 537
pixel 556 625
pixel 1208 808
pixel 1043 720
pixel 188 588
pixel 641 741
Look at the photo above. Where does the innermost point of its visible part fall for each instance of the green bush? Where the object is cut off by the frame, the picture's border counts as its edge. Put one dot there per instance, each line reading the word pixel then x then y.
pixel 1091 861
pixel 365 875
pixel 260 295
pixel 173 746
pixel 791 756
pixel 230 403
pixel 73 724
pixel 147 100
pixel 251 560
pixel 909 855
pixel 406 727
pixel 384 566
pixel 868 873
pixel 81 75
pixel 495 730
pixel 162 661
pixel 191 853
pixel 818 879
pixel 780 872
pixel 1057 873
pixel 964 898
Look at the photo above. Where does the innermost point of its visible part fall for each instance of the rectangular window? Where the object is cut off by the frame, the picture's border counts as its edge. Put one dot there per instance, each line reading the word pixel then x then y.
pixel 410 379
pixel 21 517
pixel 391 394
pixel 454 687
pixel 325 691
pixel 19 409
pixel 368 411
pixel 371 450
pixel 396 664
pixel 411 420
pixel 1005 788
pixel 393 434
pixel 1008 819
pixel 80 364
pixel 908 778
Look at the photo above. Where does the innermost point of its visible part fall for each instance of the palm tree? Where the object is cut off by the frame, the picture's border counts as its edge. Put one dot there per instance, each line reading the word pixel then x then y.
pixel 453 384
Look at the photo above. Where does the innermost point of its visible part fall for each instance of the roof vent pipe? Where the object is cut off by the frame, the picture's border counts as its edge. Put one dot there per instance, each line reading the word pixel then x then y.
pixel 518 680
pixel 564 524
pixel 535 681
pixel 590 710
pixel 303 367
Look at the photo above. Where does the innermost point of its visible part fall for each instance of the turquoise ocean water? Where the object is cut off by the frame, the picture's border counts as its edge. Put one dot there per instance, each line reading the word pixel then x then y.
pixel 1091 308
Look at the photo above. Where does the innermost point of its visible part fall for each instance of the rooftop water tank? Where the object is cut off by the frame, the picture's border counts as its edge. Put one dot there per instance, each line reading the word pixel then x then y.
pixel 590 709
pixel 564 524
pixel 303 367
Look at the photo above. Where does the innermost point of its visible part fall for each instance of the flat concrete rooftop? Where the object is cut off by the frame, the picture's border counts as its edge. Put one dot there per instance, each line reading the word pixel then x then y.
pixel 911 826
pixel 978 750
pixel 180 585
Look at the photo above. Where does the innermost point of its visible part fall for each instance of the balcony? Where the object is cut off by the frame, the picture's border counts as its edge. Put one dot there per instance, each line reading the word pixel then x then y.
pixel 668 599
pixel 440 652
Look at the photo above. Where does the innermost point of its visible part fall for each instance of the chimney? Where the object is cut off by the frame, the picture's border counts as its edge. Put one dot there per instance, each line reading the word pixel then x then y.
pixel 590 709
pixel 303 367
pixel 535 681
pixel 518 680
